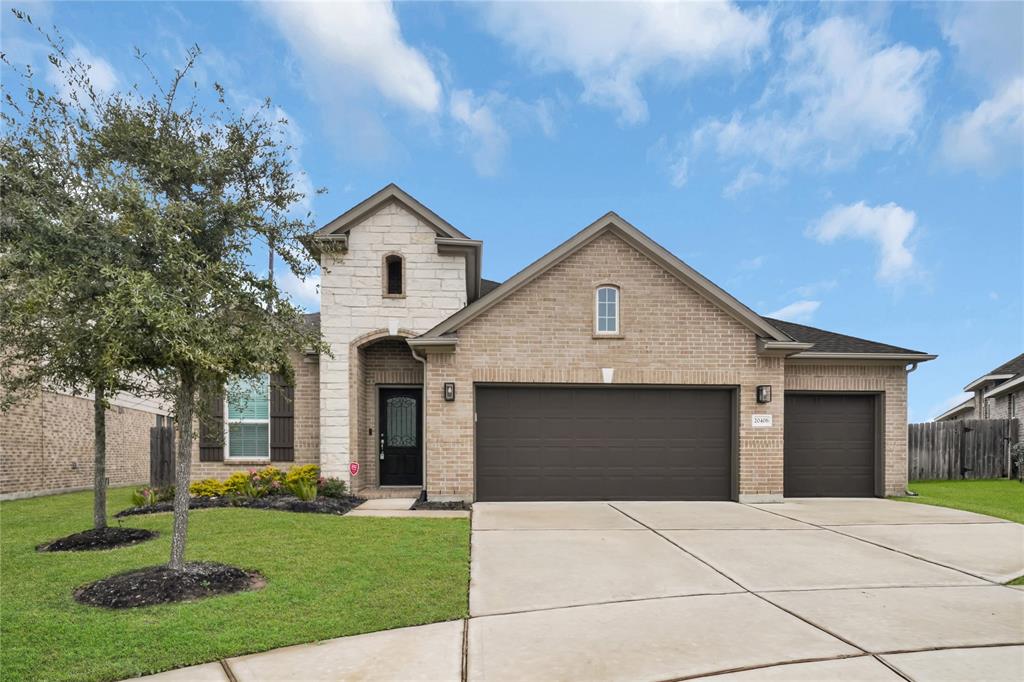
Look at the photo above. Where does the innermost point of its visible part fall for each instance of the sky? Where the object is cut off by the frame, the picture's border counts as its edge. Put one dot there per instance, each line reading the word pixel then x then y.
pixel 856 167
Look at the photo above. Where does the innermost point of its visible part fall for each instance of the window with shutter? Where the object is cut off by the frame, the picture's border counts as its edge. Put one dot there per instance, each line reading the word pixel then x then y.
pixel 247 423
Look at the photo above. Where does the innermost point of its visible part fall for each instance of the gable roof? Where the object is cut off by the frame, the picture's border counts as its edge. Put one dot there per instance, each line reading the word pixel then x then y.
pixel 613 224
pixel 386 195
pixel 835 343
pixel 1014 366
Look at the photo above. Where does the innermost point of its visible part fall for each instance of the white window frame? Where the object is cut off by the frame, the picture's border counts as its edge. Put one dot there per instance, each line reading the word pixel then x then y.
pixel 597 311
pixel 227 429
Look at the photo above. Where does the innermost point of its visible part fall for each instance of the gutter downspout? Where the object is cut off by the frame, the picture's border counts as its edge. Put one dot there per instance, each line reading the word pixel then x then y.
pixel 907 491
pixel 423 416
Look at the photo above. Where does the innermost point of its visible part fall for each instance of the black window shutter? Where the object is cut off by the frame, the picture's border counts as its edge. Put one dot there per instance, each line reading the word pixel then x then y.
pixel 211 430
pixel 282 420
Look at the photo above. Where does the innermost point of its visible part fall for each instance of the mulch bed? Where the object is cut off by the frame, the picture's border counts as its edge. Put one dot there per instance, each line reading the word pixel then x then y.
pixel 321 505
pixel 161 585
pixel 98 538
pixel 444 506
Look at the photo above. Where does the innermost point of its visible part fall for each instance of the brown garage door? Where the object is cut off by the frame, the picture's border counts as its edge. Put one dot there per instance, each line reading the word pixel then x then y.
pixel 829 445
pixel 603 443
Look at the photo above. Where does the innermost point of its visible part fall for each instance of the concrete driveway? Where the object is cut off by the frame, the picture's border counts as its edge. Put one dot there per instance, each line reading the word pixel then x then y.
pixel 804 590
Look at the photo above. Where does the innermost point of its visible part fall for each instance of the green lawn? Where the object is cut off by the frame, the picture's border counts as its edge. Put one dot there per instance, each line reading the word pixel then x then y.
pixel 327 576
pixel 1002 498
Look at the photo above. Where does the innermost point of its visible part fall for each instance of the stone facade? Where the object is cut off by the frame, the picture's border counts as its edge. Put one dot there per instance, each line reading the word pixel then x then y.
pixel 46 445
pixel 1005 406
pixel 355 311
pixel 543 333
pixel 888 380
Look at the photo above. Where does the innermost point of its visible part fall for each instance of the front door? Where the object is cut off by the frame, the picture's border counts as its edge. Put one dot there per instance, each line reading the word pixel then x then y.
pixel 401 436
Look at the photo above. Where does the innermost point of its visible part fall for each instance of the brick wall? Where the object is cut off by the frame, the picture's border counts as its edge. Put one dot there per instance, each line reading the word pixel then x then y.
pixel 888 379
pixel 543 333
pixel 999 407
pixel 46 445
pixel 306 420
pixel 387 361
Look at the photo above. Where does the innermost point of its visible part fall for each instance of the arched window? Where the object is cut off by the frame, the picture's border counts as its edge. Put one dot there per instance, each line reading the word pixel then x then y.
pixel 606 303
pixel 394 275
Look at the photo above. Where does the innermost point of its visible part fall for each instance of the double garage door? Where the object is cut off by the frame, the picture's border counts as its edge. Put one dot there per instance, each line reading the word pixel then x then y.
pixel 617 443
pixel 592 443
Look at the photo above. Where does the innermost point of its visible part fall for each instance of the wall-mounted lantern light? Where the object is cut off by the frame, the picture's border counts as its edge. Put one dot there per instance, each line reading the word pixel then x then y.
pixel 449 391
pixel 764 394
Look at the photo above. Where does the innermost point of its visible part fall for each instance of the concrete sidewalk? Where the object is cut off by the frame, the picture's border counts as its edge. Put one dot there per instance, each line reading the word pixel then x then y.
pixel 805 590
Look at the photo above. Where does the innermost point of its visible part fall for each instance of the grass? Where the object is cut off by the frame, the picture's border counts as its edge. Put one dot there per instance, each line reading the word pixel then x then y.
pixel 1001 498
pixel 327 576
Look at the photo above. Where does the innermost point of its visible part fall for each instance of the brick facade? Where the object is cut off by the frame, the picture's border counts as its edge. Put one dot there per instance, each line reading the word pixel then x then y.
pixel 46 445
pixel 888 380
pixel 543 333
pixel 306 409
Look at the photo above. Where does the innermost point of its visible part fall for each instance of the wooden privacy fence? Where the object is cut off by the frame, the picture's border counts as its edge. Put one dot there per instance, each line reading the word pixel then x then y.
pixel 161 456
pixel 965 448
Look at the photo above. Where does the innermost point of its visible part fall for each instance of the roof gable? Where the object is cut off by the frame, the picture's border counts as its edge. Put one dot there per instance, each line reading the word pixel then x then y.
pixel 390 193
pixel 612 223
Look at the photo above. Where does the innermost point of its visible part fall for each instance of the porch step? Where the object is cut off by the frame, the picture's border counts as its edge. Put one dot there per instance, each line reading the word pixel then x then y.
pixel 390 491
pixel 388 503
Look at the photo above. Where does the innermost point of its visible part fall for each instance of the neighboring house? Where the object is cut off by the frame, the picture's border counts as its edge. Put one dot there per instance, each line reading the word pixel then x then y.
pixel 46 443
pixel 996 395
pixel 607 369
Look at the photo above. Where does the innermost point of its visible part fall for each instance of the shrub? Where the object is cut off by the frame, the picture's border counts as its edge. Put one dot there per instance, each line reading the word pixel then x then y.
pixel 209 487
pixel 269 475
pixel 303 489
pixel 306 472
pixel 147 496
pixel 333 487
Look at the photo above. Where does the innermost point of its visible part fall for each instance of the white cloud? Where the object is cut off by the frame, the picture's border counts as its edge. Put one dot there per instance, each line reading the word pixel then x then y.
pixel 748 178
pixel 752 263
pixel 843 91
pixel 361 41
pixel 482 132
pixel 304 293
pixel 991 135
pixel 988 40
pixel 814 288
pixel 102 75
pixel 798 311
pixel 889 226
pixel 485 123
pixel 612 47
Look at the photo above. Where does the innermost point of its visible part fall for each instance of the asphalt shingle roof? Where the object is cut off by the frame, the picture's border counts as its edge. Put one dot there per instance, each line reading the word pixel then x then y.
pixel 487 286
pixel 832 342
pixel 1014 366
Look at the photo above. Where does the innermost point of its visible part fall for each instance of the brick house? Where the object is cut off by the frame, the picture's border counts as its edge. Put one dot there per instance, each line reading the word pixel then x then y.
pixel 995 395
pixel 607 369
pixel 46 443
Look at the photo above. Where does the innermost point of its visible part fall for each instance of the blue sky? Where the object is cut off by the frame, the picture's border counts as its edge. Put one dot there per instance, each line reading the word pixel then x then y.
pixel 858 167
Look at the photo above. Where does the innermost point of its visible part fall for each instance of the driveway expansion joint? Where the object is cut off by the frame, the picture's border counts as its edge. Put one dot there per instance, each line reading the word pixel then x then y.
pixel 227 670
pixel 832 529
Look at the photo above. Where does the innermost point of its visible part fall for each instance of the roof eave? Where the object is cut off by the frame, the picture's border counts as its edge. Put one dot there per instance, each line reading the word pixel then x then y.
pixel 984 379
pixel 962 407
pixel 770 348
pixel 1006 386
pixel 907 357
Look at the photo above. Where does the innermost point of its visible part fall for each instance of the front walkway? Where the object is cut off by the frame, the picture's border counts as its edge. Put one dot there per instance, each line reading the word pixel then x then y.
pixel 804 590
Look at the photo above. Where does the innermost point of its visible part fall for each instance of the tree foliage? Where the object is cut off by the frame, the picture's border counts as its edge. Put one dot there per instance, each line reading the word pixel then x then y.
pixel 191 188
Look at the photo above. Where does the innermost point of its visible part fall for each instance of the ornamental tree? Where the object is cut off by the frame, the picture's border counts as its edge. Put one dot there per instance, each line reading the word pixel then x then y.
pixel 203 186
pixel 61 253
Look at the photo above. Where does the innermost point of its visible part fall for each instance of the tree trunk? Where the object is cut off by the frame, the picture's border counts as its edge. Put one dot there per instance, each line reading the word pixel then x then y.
pixel 184 407
pixel 99 497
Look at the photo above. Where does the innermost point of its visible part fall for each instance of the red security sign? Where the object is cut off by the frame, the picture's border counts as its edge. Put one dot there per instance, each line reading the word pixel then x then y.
pixel 353 468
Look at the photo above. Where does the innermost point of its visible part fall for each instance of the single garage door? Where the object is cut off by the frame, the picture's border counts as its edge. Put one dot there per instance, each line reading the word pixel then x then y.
pixel 603 443
pixel 830 443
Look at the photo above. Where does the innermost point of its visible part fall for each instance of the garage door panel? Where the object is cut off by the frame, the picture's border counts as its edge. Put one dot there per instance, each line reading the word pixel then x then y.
pixel 570 443
pixel 830 442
